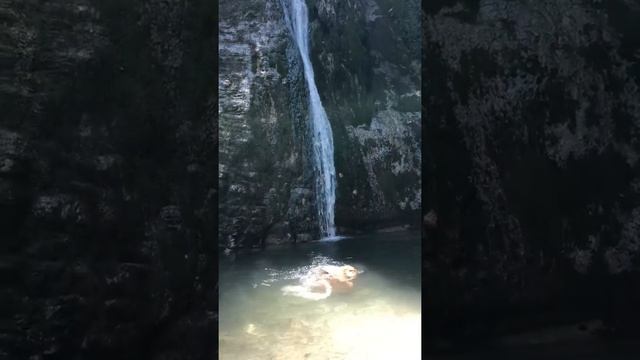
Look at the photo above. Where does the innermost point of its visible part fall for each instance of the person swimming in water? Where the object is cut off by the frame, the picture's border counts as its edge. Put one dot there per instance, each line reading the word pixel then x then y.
pixel 322 281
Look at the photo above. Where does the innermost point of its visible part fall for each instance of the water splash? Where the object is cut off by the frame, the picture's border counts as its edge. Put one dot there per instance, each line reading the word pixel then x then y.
pixel 334 238
pixel 298 273
pixel 296 16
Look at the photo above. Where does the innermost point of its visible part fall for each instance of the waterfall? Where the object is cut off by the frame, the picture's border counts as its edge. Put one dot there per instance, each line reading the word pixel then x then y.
pixel 296 15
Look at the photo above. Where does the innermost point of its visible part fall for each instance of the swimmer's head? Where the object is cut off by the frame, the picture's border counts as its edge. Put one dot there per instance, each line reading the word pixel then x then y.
pixel 349 272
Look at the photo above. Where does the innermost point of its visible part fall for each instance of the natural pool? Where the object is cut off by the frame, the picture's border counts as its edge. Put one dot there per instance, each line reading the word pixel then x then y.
pixel 379 319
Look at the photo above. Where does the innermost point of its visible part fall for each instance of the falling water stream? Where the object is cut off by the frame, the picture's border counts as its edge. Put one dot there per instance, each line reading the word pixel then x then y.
pixel 296 15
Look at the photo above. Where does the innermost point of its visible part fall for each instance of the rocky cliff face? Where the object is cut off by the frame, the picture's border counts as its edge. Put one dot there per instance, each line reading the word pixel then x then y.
pixel 532 175
pixel 265 194
pixel 107 179
pixel 367 56
pixel 367 69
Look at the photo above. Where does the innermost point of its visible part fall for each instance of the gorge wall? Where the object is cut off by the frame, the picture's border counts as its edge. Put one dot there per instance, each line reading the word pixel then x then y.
pixel 532 179
pixel 107 183
pixel 108 196
pixel 366 58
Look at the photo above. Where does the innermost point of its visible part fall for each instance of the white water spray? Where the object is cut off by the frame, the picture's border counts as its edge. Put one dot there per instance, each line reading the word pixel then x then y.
pixel 296 15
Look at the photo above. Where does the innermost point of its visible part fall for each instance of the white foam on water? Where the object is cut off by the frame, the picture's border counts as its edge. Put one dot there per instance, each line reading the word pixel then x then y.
pixel 334 238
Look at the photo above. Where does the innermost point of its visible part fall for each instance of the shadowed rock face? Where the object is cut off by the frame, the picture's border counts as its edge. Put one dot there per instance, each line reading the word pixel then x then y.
pixel 107 179
pixel 264 172
pixel 365 56
pixel 532 137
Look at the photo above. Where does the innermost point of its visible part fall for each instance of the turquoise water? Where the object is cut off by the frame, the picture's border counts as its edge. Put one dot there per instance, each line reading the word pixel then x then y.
pixel 379 319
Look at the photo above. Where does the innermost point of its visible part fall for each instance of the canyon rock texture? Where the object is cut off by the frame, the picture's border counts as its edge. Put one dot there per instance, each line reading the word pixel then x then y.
pixel 532 178
pixel 107 179
pixel 366 57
